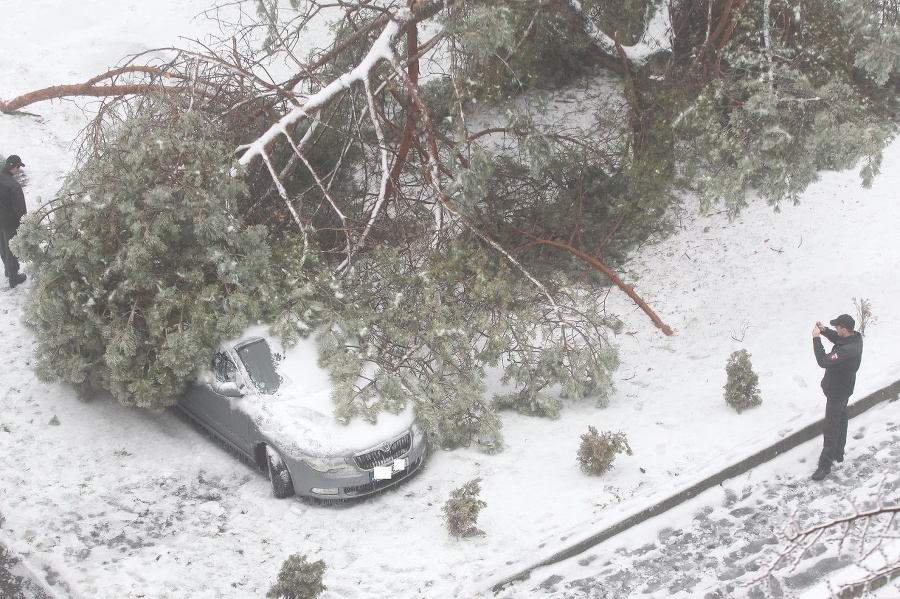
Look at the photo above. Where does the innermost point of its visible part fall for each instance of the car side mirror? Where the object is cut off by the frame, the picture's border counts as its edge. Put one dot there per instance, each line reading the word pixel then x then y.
pixel 229 389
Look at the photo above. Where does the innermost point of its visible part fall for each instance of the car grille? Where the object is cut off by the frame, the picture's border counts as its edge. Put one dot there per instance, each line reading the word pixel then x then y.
pixel 386 454
pixel 377 485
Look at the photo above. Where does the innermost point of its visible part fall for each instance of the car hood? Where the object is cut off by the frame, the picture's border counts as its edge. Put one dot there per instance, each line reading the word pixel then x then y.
pixel 303 423
pixel 300 416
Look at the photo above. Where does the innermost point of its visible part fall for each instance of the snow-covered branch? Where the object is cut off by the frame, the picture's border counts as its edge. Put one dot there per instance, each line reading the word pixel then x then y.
pixel 380 51
pixel 657 36
pixel 869 535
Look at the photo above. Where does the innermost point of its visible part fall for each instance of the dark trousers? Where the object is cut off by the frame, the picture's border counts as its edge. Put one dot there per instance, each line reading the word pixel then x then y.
pixel 10 262
pixel 834 430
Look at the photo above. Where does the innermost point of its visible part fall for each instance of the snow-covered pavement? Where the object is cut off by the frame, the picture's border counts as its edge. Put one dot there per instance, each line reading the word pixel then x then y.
pixel 15 580
pixel 721 543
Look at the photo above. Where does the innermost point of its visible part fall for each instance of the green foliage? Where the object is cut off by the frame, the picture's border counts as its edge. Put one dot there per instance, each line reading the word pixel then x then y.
pixel 471 185
pixel 776 115
pixel 742 384
pixel 439 96
pixel 551 190
pixel 625 18
pixel 874 27
pixel 141 266
pixel 298 579
pixel 776 146
pixel 470 247
pixel 598 450
pixel 426 326
pixel 462 509
pixel 531 45
pixel 530 404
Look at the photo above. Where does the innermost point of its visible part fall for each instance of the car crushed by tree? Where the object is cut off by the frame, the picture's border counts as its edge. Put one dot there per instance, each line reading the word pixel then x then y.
pixel 275 410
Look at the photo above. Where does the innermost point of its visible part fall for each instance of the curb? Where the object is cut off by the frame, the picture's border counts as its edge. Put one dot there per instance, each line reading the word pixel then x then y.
pixel 798 437
pixel 16 580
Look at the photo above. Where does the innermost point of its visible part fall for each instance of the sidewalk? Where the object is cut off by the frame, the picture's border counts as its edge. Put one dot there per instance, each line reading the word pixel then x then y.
pixel 718 538
pixel 15 582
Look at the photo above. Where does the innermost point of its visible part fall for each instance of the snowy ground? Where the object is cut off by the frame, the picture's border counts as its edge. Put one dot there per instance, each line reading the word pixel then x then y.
pixel 725 542
pixel 109 502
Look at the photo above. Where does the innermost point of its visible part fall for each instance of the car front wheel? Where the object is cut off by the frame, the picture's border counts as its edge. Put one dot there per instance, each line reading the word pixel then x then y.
pixel 282 485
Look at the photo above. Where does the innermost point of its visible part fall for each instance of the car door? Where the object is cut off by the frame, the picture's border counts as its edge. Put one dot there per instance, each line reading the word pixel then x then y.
pixel 214 401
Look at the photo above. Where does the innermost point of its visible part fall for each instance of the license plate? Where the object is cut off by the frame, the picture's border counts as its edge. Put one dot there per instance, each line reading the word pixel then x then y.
pixel 386 472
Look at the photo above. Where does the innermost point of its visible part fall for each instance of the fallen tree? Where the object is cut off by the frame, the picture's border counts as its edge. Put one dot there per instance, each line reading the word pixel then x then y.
pixel 464 195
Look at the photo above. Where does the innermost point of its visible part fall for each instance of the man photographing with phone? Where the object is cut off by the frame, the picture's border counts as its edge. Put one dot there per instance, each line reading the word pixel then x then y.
pixel 840 378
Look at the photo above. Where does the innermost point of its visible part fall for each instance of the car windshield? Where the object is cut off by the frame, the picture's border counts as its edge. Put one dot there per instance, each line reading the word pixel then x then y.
pixel 260 365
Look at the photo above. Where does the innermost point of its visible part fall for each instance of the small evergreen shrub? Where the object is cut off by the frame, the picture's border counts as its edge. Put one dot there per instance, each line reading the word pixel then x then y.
pixel 742 384
pixel 298 579
pixel 462 509
pixel 598 451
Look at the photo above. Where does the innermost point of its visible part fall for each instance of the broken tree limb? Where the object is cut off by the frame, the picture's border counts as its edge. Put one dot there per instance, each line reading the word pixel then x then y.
pixel 93 87
pixel 616 279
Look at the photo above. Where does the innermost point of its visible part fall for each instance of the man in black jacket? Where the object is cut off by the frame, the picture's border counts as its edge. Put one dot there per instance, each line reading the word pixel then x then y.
pixel 840 377
pixel 12 209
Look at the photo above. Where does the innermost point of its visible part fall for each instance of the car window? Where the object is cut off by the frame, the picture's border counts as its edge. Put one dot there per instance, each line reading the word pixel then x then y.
pixel 260 365
pixel 223 368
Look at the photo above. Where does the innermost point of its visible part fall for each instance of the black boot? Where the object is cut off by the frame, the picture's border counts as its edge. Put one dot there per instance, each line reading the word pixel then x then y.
pixel 16 279
pixel 821 472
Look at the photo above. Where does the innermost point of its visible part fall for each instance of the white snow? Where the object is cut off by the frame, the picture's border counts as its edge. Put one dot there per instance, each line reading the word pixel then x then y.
pixel 300 415
pixel 657 36
pixel 121 502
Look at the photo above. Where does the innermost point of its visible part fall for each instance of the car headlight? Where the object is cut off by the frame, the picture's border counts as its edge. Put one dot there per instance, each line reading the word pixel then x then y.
pixel 328 464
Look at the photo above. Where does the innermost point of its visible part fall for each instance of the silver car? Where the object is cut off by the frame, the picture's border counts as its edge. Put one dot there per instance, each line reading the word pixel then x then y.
pixel 277 412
